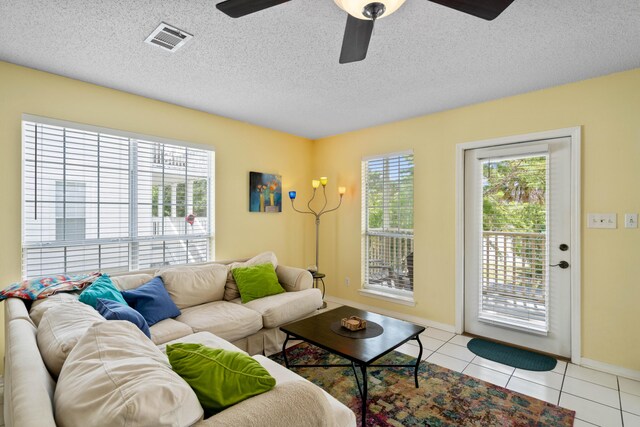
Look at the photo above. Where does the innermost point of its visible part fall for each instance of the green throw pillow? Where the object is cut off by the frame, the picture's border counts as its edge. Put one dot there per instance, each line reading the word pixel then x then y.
pixel 103 288
pixel 257 281
pixel 220 378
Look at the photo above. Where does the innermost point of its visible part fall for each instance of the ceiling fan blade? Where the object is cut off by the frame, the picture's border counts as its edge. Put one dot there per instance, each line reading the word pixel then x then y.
pixel 356 40
pixel 238 8
pixel 485 9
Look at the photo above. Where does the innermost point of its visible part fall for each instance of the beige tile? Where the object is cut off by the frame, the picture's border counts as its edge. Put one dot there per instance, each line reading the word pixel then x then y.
pixel 545 378
pixel 457 351
pixel 630 403
pixel 410 350
pixel 429 343
pixel 593 376
pixel 595 413
pixel 438 334
pixel 486 374
pixel 630 420
pixel 581 423
pixel 532 389
pixel 447 362
pixel 560 368
pixel 629 386
pixel 496 366
pixel 591 391
pixel 460 340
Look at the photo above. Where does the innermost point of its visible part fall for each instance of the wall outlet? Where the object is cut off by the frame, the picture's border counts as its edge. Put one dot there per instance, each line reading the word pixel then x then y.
pixel 347 281
pixel 631 220
pixel 599 220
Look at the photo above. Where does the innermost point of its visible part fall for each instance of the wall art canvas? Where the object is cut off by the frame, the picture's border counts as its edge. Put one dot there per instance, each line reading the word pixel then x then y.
pixel 265 192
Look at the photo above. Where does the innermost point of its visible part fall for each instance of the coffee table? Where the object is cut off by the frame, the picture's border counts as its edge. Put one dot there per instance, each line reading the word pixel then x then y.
pixel 317 330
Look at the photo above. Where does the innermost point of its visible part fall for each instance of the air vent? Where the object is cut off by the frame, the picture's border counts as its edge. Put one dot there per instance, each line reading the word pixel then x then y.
pixel 168 37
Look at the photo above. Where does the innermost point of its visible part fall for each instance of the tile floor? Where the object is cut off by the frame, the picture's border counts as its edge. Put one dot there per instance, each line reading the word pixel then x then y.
pixel 599 399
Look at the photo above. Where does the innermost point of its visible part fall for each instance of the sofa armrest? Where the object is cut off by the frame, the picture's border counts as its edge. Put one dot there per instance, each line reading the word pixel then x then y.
pixel 295 403
pixel 293 278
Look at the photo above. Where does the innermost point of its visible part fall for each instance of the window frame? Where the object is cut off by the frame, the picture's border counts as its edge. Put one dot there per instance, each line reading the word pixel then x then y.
pixel 133 239
pixel 374 290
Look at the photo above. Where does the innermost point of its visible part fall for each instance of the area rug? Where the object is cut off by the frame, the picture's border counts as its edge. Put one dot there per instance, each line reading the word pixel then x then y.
pixel 445 397
pixel 512 356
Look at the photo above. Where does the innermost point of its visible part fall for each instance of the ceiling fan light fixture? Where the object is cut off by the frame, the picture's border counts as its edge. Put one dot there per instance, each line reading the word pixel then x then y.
pixel 356 8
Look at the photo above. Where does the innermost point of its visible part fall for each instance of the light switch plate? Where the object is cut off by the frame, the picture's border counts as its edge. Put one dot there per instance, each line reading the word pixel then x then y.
pixel 630 220
pixel 602 220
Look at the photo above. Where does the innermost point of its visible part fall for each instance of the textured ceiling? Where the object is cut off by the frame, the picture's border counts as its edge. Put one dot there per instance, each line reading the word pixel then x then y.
pixel 279 68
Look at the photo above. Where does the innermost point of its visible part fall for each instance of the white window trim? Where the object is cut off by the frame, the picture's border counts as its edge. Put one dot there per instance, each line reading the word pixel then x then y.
pixel 134 137
pixel 381 292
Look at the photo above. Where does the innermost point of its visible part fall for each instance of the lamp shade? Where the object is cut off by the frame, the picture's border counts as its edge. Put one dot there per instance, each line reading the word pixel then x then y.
pixel 356 7
pixel 292 195
pixel 324 180
pixel 315 183
pixel 342 190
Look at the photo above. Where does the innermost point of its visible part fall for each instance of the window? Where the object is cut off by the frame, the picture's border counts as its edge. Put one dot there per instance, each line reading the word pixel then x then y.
pixel 387 211
pixel 107 200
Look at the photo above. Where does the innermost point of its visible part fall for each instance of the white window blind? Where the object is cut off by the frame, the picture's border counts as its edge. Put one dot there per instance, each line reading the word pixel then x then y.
pixel 387 214
pixel 514 242
pixel 110 202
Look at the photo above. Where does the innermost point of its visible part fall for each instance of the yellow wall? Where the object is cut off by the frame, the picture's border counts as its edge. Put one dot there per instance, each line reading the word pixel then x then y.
pixel 239 147
pixel 607 108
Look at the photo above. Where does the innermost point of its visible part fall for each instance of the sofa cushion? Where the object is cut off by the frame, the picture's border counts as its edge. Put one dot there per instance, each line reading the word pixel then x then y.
pixel 224 319
pixel 296 403
pixel 152 301
pixel 39 307
pixel 60 329
pixel 231 289
pixel 194 285
pixel 204 338
pixel 116 377
pixel 131 281
pixel 257 281
pixel 113 310
pixel 103 288
pixel 283 308
pixel 220 378
pixel 28 386
pixel 167 330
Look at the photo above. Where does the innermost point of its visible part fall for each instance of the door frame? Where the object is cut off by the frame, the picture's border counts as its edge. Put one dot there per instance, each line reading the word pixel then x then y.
pixel 575 136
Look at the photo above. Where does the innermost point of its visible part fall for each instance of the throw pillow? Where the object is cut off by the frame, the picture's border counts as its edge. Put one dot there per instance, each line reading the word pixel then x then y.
pixel 117 377
pixel 231 289
pixel 257 282
pixel 152 301
pixel 101 288
pixel 220 378
pixel 60 330
pixel 191 285
pixel 113 310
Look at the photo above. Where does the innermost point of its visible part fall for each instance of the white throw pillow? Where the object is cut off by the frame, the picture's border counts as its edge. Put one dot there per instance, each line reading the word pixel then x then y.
pixel 195 285
pixel 231 288
pixel 117 377
pixel 39 307
pixel 60 329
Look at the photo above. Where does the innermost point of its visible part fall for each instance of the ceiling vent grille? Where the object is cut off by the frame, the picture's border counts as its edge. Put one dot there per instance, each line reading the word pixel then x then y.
pixel 168 37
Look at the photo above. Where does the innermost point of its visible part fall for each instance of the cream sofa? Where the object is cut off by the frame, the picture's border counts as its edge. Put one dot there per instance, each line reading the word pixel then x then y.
pixel 212 315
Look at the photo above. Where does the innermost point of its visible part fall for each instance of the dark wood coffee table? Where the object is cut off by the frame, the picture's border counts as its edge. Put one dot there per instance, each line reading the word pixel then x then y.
pixel 363 352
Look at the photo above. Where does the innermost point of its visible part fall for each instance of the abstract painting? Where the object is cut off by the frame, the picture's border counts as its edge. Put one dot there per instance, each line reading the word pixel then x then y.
pixel 265 192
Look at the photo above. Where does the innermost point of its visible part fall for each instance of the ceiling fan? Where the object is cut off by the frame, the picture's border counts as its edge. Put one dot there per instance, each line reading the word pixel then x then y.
pixel 363 13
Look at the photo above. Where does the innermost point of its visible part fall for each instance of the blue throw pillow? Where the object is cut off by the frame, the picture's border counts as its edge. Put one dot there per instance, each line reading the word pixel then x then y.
pixel 152 301
pixel 103 288
pixel 112 310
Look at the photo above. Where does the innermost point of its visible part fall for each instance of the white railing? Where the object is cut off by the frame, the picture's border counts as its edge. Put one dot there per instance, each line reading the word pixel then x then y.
pixel 390 260
pixel 514 275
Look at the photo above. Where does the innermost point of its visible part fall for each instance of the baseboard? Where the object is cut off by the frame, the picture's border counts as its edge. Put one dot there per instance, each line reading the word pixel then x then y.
pixel 409 318
pixel 611 369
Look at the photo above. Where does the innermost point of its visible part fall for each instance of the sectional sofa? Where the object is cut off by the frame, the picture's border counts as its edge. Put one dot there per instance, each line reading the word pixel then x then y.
pixel 58 354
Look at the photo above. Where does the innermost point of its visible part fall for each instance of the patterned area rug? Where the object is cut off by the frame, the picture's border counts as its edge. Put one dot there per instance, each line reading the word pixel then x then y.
pixel 445 397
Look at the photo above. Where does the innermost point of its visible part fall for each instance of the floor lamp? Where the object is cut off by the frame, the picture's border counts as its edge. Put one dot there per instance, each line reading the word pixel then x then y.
pixel 292 196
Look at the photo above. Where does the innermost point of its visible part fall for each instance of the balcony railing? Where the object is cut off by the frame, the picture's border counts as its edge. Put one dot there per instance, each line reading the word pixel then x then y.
pixel 514 276
pixel 390 260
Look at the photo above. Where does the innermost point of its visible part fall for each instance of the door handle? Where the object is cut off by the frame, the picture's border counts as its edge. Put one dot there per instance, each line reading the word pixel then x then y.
pixel 561 264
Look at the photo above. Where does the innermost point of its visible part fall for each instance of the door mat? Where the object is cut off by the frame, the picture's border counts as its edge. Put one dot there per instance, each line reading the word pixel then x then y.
pixel 516 357
pixel 445 398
